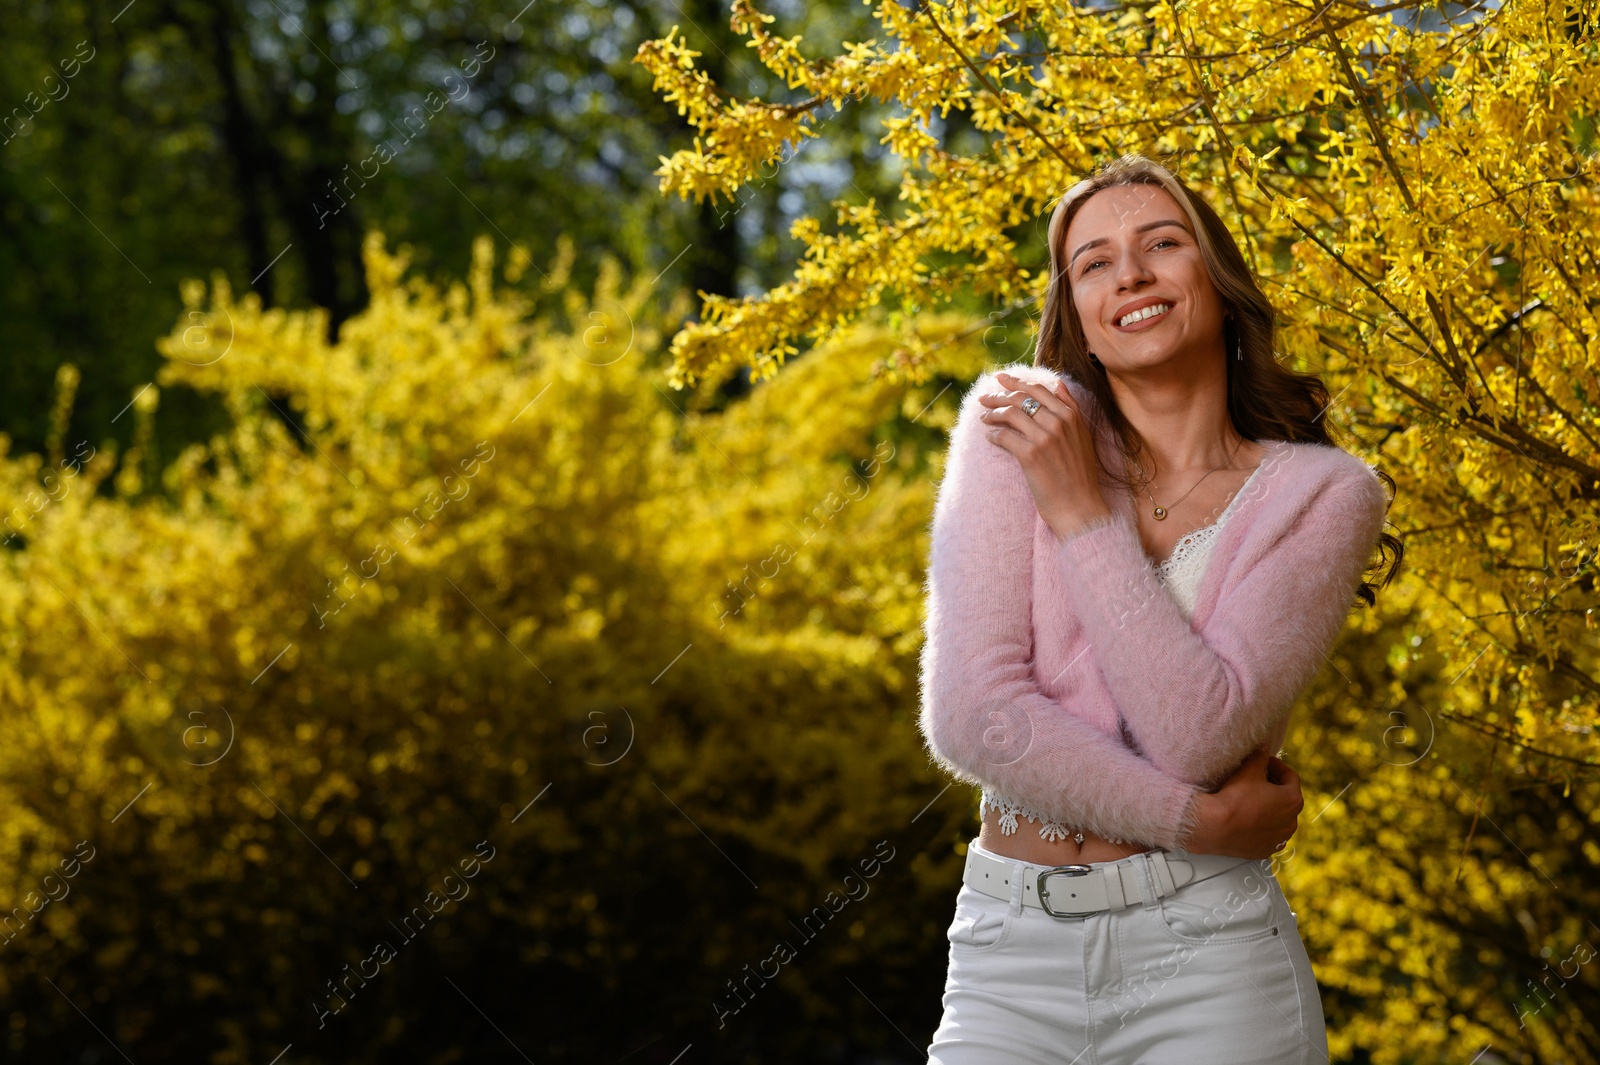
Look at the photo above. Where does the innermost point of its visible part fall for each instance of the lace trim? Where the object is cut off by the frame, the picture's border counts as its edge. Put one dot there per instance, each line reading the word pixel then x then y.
pixel 1189 546
pixel 1195 541
pixel 1008 811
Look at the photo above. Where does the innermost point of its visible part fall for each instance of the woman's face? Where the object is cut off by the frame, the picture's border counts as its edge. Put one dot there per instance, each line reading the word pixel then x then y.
pixel 1129 247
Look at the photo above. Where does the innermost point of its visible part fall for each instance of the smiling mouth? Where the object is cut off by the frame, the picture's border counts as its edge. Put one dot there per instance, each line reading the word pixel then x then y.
pixel 1144 315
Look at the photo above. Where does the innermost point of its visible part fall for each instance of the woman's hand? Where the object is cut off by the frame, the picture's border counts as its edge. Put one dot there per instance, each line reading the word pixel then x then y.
pixel 1055 446
pixel 1253 814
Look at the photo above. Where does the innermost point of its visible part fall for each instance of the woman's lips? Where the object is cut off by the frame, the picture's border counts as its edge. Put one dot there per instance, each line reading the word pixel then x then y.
pixel 1146 323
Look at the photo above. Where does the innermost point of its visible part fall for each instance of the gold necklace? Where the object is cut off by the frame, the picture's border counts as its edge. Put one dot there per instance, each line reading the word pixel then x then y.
pixel 1161 512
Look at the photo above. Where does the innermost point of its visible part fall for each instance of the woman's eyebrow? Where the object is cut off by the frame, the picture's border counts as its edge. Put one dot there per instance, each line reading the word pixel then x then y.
pixel 1096 242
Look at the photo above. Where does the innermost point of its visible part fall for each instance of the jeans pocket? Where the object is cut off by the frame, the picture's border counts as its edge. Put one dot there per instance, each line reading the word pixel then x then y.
pixel 1238 906
pixel 982 922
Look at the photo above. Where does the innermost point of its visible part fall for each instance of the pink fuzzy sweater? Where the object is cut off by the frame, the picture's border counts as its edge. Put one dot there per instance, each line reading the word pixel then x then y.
pixel 1044 659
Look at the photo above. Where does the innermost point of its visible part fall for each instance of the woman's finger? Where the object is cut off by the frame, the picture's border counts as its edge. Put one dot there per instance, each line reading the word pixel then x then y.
pixel 1006 407
pixel 1005 410
pixel 1052 397
pixel 1007 418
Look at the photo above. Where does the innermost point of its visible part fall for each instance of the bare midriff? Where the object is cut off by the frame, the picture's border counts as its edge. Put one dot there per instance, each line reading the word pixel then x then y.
pixel 1026 845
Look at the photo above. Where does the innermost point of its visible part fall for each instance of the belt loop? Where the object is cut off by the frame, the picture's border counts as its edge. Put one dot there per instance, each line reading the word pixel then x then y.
pixel 1163 873
pixel 1116 890
pixel 1147 880
pixel 1019 882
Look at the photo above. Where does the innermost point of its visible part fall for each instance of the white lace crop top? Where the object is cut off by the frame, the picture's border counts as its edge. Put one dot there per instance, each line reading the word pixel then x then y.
pixel 1180 573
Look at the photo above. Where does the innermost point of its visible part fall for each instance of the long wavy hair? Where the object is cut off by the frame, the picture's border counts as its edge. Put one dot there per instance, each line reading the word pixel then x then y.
pixel 1266 400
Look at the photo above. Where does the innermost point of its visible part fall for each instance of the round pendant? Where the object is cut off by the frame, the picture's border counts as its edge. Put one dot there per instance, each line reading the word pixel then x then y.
pixel 1161 512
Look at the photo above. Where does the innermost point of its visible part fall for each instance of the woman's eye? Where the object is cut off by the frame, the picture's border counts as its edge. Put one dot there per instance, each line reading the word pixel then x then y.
pixel 1157 244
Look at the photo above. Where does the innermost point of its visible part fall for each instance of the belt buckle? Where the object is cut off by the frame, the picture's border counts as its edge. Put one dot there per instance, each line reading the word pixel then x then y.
pixel 1044 892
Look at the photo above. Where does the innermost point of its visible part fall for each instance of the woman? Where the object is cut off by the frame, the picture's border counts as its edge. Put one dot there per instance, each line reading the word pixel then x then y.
pixel 1143 549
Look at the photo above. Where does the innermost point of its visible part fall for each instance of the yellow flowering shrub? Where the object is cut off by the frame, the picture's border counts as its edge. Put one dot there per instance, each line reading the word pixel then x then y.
pixel 1417 195
pixel 469 651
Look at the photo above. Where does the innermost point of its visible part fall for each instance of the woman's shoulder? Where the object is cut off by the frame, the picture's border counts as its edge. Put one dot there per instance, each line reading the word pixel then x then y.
pixel 1302 473
pixel 1328 465
pixel 1025 371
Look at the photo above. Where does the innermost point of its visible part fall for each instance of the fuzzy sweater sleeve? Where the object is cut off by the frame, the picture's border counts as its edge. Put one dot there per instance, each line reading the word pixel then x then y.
pixel 1197 700
pixel 983 716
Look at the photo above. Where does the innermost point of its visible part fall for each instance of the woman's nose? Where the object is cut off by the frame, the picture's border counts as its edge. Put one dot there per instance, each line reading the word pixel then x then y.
pixel 1133 270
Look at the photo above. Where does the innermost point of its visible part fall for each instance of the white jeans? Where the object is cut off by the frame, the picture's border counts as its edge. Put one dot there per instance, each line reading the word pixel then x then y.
pixel 1213 974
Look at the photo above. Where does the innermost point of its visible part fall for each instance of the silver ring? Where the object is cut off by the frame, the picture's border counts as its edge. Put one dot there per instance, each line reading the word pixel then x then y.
pixel 1030 406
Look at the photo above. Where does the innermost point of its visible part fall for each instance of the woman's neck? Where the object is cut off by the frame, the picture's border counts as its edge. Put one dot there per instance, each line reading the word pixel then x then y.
pixel 1184 423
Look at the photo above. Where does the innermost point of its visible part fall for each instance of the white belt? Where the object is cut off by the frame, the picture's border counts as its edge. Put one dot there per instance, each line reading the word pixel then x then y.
pixel 1080 890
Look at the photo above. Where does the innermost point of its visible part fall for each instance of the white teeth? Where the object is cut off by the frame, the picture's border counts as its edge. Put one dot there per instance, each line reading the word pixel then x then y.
pixel 1148 312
